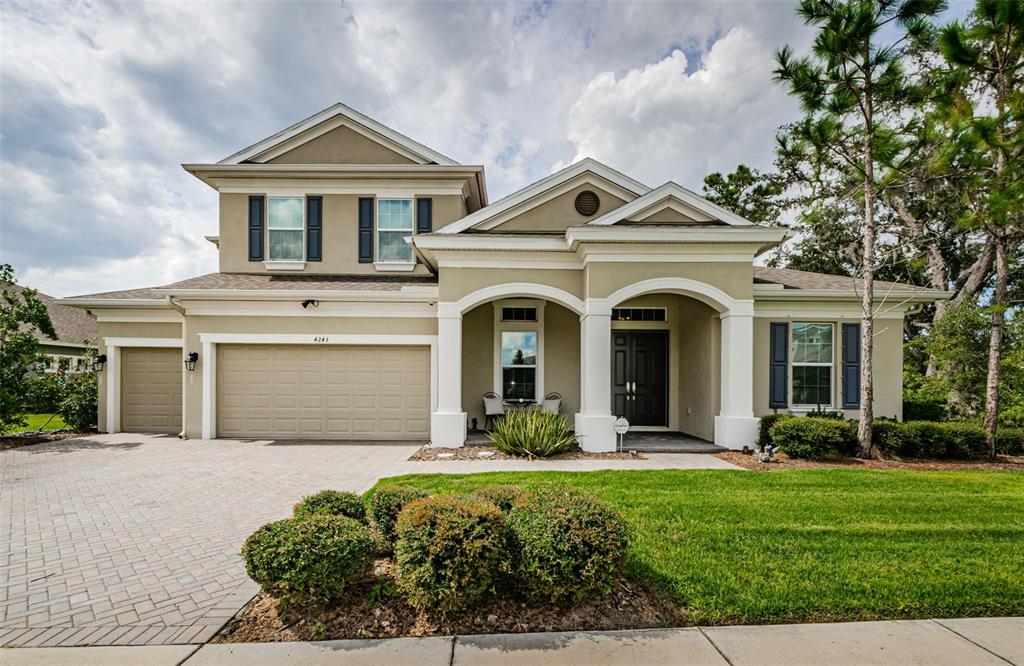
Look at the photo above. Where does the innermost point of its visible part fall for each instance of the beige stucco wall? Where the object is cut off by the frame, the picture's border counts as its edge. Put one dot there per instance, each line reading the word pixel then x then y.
pixel 699 330
pixel 560 213
pixel 454 283
pixel 128 330
pixel 887 366
pixel 341 146
pixel 340 234
pixel 561 357
pixel 195 325
pixel 734 278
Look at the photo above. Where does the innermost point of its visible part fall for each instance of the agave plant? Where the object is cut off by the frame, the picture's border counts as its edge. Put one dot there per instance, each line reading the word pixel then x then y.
pixel 532 434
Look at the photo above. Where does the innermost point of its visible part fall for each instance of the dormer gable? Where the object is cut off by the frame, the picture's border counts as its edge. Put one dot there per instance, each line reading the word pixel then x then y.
pixel 569 197
pixel 338 135
pixel 670 204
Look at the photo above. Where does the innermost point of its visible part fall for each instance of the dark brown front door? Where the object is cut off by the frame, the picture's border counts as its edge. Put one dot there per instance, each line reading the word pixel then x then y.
pixel 640 377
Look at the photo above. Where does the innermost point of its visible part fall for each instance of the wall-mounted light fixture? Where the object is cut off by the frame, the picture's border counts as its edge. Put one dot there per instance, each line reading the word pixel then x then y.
pixel 98 361
pixel 310 301
pixel 190 361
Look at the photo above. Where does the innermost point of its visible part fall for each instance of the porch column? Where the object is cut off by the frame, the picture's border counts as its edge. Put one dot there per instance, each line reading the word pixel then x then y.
pixel 448 423
pixel 735 426
pixel 594 422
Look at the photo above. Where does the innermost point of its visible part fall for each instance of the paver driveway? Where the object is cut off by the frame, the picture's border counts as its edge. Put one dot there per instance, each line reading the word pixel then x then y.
pixel 134 539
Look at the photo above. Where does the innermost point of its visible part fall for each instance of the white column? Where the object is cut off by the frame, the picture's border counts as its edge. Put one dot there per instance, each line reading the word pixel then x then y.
pixel 594 422
pixel 113 388
pixel 448 422
pixel 208 360
pixel 735 426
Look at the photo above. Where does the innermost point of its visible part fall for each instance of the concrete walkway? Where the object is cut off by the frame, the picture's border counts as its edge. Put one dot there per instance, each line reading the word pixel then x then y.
pixel 134 539
pixel 967 642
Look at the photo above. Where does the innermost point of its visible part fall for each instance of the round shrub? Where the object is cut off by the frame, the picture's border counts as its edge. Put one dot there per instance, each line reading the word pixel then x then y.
pixel 310 560
pixel 814 439
pixel 567 545
pixel 500 495
pixel 965 441
pixel 924 439
pixel 385 505
pixel 1010 441
pixel 888 437
pixel 449 551
pixel 764 437
pixel 331 503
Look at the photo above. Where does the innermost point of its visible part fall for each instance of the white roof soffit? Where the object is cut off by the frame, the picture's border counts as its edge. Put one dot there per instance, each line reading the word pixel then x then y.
pixel 342 112
pixel 543 185
pixel 676 191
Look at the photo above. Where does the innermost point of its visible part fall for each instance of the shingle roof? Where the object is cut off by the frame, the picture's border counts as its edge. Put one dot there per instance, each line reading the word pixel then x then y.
pixel 262 281
pixel 71 324
pixel 792 279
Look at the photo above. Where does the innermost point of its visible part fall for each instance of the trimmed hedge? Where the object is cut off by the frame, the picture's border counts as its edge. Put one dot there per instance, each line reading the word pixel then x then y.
pixel 1010 441
pixel 449 551
pixel 308 560
pixel 813 438
pixel 764 429
pixel 331 503
pixel 503 496
pixel 568 545
pixel 385 505
pixel 920 408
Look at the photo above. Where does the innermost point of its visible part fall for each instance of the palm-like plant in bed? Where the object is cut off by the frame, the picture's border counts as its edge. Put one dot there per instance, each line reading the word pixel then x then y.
pixel 533 434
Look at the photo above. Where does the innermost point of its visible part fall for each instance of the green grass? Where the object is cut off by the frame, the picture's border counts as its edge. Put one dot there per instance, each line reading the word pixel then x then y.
pixel 811 545
pixel 36 421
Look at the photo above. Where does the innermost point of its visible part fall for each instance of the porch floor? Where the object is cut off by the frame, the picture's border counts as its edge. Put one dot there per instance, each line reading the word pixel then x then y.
pixel 647 442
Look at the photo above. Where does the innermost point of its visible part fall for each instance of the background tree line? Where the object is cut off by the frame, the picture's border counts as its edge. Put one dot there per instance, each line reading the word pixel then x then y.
pixel 906 165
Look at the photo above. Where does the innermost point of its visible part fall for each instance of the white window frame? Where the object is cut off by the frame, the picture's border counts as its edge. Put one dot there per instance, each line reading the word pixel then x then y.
pixel 379 263
pixel 831 365
pixel 286 264
pixel 537 327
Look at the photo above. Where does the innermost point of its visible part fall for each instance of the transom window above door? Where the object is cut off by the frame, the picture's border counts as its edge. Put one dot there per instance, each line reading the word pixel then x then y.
pixel 638 314
pixel 394 225
pixel 519 365
pixel 812 364
pixel 285 228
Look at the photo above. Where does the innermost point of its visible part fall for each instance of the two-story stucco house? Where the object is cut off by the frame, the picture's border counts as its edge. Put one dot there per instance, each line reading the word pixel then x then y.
pixel 368 289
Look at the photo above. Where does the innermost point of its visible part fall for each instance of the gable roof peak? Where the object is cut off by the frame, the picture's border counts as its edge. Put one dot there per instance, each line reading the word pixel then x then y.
pixel 339 109
pixel 677 191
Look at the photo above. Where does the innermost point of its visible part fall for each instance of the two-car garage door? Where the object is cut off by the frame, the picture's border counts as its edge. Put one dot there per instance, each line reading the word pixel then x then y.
pixel 323 392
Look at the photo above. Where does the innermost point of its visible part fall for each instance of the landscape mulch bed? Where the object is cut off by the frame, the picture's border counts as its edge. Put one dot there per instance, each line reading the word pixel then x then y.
pixel 629 606
pixel 782 461
pixel 17 441
pixel 473 451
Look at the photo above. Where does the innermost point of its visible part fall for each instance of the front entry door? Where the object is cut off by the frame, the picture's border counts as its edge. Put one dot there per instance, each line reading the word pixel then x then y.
pixel 640 377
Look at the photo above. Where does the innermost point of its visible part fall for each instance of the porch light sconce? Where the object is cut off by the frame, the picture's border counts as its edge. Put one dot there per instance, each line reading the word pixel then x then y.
pixel 98 361
pixel 310 301
pixel 190 361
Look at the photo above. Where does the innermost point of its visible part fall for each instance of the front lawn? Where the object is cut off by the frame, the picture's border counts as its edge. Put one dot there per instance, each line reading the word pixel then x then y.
pixel 811 545
pixel 37 421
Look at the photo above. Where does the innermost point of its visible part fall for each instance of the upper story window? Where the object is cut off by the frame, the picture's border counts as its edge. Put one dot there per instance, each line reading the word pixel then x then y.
pixel 394 225
pixel 285 228
pixel 812 364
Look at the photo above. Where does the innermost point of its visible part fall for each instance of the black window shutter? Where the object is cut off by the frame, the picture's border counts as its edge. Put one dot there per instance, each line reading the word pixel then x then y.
pixel 314 228
pixel 256 205
pixel 366 231
pixel 778 392
pixel 851 366
pixel 424 216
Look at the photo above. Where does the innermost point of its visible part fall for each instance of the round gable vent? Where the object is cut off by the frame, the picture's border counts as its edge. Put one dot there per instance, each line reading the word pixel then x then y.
pixel 587 203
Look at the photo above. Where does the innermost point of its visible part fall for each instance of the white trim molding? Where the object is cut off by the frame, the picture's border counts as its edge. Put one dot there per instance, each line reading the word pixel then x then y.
pixel 113 371
pixel 706 293
pixel 208 360
pixel 671 190
pixel 511 290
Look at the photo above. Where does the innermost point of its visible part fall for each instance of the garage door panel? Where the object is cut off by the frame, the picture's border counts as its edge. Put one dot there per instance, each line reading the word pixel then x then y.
pixel 283 391
pixel 151 389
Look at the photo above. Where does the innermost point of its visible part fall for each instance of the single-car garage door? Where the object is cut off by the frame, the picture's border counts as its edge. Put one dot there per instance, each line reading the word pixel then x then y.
pixel 151 389
pixel 323 392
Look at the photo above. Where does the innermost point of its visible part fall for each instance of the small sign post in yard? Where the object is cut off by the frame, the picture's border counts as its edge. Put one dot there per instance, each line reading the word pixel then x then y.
pixel 621 427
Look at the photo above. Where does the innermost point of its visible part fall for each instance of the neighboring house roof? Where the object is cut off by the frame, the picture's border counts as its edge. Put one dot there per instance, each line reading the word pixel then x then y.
pixel 534 190
pixel 792 279
pixel 72 325
pixel 664 194
pixel 330 118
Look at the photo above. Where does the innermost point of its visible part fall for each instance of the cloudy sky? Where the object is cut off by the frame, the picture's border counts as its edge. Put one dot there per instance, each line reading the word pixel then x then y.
pixel 100 103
